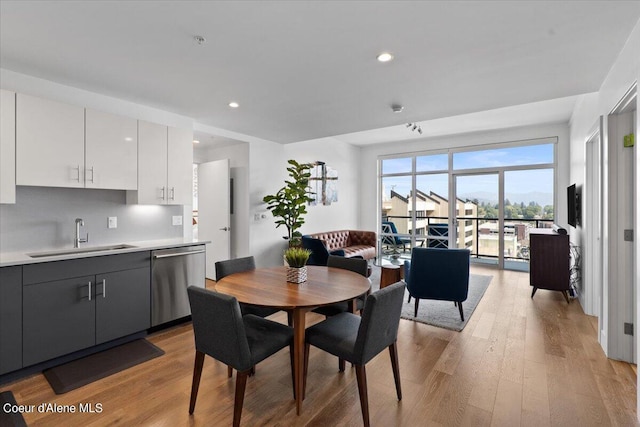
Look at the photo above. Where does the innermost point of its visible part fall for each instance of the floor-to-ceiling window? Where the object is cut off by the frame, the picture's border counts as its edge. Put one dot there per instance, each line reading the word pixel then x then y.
pixel 486 200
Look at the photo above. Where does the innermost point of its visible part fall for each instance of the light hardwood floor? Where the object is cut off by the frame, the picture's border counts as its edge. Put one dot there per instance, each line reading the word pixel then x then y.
pixel 518 362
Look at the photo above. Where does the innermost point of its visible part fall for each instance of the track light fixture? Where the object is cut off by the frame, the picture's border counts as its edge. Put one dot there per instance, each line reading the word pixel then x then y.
pixel 414 127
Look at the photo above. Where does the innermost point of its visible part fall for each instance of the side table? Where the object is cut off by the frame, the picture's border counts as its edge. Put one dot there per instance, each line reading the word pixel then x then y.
pixel 390 274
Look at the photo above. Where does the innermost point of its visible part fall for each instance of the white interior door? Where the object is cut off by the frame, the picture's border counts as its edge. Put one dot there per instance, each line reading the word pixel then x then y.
pixel 213 211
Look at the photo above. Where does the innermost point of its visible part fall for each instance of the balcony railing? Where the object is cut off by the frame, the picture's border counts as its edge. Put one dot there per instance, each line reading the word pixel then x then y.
pixel 483 242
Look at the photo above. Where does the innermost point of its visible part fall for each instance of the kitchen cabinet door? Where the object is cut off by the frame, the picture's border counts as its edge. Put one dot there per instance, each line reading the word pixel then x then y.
pixel 10 319
pixel 49 143
pixel 7 146
pixel 152 165
pixel 58 318
pixel 123 304
pixel 111 151
pixel 180 167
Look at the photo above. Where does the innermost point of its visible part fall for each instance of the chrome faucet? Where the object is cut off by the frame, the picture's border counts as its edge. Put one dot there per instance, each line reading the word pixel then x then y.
pixel 78 240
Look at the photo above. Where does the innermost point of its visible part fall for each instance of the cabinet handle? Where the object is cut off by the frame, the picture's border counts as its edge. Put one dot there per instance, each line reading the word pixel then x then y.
pixel 104 288
pixel 77 168
pixel 89 291
pixel 162 197
pixel 173 193
pixel 91 169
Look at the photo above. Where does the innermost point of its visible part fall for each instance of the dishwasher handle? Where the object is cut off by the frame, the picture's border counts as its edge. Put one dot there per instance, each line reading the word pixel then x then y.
pixel 174 254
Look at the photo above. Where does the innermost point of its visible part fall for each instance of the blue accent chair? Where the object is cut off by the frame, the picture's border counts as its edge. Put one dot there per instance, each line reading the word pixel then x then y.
pixel 440 274
pixel 319 252
pixel 393 242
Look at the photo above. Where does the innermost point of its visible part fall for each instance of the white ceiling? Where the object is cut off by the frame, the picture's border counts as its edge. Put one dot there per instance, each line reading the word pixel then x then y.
pixel 307 69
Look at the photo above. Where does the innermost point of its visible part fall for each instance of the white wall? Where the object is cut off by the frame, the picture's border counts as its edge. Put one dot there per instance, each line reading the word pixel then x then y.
pixel 369 157
pixel 623 74
pixel 583 121
pixel 30 85
pixel 345 158
pixel 267 165
pixel 238 156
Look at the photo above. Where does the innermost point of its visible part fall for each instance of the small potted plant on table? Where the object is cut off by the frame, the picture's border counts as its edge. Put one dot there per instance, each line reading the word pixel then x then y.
pixel 297 258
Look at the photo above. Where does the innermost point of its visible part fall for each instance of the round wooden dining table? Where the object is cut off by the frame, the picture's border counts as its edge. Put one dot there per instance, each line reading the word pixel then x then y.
pixel 268 287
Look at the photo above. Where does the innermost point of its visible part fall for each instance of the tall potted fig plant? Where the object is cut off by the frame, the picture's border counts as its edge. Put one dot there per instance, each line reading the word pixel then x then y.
pixel 289 204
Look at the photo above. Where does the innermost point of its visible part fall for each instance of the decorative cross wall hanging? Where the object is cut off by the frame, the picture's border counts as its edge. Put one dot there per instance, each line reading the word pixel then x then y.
pixel 324 179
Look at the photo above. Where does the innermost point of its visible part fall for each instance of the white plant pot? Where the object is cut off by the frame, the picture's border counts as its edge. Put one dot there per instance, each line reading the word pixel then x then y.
pixel 297 275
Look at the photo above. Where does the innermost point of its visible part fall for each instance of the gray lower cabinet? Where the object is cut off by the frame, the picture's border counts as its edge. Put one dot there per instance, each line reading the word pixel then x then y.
pixel 79 310
pixel 123 304
pixel 10 319
pixel 58 318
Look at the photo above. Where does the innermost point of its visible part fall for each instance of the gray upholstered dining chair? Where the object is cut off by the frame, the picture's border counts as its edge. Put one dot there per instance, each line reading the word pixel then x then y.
pixel 359 339
pixel 238 265
pixel 357 265
pixel 239 341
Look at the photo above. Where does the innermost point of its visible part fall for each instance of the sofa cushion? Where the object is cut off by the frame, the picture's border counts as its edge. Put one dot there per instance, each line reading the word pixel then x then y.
pixel 365 251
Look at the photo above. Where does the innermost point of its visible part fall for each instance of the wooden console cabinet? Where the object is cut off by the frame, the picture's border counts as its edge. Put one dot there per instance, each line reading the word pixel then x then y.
pixel 549 261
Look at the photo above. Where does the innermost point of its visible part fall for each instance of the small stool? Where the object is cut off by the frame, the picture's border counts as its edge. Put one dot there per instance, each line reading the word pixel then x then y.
pixel 390 274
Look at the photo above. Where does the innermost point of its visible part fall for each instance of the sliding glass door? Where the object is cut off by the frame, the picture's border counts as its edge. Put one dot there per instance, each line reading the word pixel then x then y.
pixel 477 222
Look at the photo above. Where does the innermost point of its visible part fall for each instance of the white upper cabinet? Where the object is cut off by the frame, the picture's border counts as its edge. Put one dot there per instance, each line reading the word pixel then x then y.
pixel 165 157
pixel 111 151
pixel 7 146
pixel 180 167
pixel 49 143
pixel 152 165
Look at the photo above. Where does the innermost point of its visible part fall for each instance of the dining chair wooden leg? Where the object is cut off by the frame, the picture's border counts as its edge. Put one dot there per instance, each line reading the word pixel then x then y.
pixel 341 365
pixel 241 385
pixel 289 318
pixel 305 367
pixel 361 375
pixel 409 299
pixel 252 371
pixel 197 373
pixel 393 352
pixel 229 371
pixel 293 374
pixel 415 311
pixel 460 309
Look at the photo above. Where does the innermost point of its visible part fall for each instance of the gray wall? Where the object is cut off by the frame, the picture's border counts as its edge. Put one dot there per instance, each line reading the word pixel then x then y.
pixel 44 218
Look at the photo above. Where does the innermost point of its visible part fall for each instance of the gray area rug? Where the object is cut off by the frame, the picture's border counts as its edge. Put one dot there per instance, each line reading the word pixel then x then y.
pixel 443 314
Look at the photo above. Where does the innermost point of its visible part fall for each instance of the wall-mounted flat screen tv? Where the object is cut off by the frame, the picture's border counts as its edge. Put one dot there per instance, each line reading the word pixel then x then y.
pixel 573 205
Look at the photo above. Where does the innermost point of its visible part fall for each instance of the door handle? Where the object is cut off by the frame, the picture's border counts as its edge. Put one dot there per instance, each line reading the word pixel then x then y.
pixel 226 229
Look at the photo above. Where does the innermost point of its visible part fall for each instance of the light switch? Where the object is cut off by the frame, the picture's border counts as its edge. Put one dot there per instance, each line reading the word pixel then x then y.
pixel 176 220
pixel 113 222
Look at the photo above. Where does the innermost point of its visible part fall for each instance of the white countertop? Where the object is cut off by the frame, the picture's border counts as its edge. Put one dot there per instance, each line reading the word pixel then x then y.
pixel 21 258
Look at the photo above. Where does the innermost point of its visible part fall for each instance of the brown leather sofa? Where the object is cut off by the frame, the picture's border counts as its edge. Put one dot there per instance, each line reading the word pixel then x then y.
pixel 348 243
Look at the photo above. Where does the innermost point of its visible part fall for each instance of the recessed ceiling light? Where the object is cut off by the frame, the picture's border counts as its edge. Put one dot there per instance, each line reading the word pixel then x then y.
pixel 234 104
pixel 385 57
pixel 195 141
pixel 397 108
pixel 200 40
pixel 128 139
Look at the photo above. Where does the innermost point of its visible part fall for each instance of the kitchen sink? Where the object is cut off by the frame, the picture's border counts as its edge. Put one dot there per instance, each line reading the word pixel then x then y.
pixel 73 251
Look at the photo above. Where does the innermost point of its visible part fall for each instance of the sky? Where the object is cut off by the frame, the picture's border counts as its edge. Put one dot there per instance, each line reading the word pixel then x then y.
pixel 519 185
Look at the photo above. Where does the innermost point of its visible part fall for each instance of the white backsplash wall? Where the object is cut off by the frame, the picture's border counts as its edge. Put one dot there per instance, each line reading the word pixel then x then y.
pixel 44 218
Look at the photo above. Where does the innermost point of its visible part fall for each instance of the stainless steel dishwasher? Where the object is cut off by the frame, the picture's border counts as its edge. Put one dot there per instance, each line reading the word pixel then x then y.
pixel 172 270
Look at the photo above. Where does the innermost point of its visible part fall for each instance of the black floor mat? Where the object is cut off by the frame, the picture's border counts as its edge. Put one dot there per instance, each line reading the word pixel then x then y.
pixel 83 371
